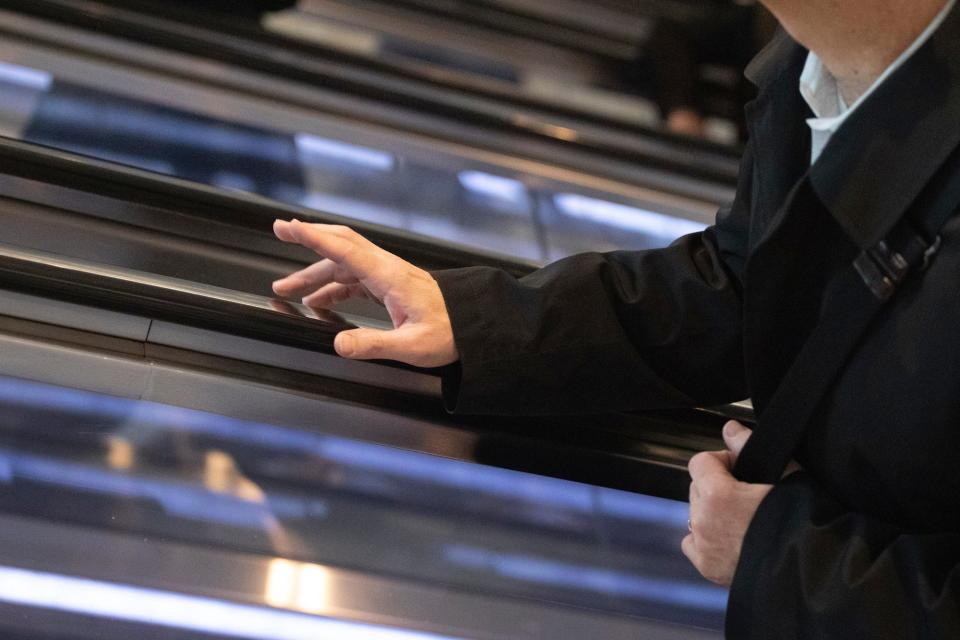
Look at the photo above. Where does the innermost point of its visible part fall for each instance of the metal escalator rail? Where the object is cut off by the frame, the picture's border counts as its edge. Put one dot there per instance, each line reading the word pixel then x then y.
pixel 278 56
pixel 236 208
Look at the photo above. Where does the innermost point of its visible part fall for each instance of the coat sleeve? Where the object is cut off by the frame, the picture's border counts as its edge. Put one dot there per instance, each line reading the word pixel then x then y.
pixel 812 569
pixel 605 332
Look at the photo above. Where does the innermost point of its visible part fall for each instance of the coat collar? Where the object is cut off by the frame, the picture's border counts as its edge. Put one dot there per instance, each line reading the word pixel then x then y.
pixel 777 63
pixel 778 132
pixel 879 162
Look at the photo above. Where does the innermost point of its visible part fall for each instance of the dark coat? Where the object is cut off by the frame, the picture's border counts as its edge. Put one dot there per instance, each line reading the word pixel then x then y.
pixel 865 542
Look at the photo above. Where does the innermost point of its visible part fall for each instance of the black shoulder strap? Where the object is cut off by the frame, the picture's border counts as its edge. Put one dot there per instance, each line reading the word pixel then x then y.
pixel 854 298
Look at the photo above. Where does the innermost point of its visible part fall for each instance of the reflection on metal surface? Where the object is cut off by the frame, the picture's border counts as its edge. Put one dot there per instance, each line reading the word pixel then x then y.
pixel 313 588
pixel 314 148
pixel 318 503
pixel 554 131
pixel 21 90
pixel 25 76
pixel 335 35
pixel 290 309
pixel 120 453
pixel 298 585
pixel 179 611
pixel 560 574
pixel 625 217
pixel 281 583
pixel 221 475
pixel 359 455
pixel 176 498
pixel 495 187
pixel 639 508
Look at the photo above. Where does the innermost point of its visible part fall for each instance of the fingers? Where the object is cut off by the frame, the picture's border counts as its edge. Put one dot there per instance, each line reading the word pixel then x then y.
pixel 735 436
pixel 374 344
pixel 340 244
pixel 306 280
pixel 694 502
pixel 419 346
pixel 689 548
pixel 333 293
pixel 281 229
pixel 356 258
pixel 708 464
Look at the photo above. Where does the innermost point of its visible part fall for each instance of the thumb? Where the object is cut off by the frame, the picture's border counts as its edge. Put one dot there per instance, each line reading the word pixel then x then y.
pixel 735 436
pixel 374 344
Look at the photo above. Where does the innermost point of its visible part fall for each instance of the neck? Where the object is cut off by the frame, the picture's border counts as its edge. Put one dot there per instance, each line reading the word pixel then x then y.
pixel 856 39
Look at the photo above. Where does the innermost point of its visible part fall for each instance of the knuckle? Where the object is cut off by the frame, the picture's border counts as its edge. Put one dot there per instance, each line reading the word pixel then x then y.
pixel 707 490
pixel 696 462
pixel 342 274
pixel 715 493
pixel 719 492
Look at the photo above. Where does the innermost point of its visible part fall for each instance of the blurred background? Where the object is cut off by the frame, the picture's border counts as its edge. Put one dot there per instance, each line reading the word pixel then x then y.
pixel 183 456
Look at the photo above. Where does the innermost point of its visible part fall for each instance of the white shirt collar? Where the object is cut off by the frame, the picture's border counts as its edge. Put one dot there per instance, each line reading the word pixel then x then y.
pixel 822 92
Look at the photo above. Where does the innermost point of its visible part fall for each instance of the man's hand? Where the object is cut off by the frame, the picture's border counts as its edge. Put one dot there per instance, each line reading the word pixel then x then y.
pixel 352 266
pixel 721 508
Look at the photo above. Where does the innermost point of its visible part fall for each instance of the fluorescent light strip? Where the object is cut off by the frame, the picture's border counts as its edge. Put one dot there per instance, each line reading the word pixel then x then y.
pixel 25 77
pixel 637 507
pixel 311 145
pixel 177 498
pixel 179 611
pixel 614 583
pixel 625 217
pixel 493 186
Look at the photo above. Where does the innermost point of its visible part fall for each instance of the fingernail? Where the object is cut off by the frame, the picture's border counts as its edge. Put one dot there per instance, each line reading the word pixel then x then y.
pixel 346 345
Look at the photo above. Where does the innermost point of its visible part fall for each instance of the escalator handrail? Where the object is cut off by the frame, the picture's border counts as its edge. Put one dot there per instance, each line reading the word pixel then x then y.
pixel 44 274
pixel 53 166
pixel 193 304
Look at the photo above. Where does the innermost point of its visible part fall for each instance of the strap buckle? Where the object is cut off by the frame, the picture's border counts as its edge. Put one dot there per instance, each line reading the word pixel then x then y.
pixel 882 270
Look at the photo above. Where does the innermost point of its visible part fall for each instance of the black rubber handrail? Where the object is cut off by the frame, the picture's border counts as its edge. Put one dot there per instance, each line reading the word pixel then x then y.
pixel 127 291
pixel 52 166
